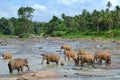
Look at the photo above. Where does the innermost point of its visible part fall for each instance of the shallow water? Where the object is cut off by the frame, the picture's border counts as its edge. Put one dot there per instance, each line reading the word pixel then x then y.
pixel 32 53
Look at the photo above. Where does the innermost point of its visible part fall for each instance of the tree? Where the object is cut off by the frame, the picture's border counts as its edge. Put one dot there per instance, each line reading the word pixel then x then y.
pixel 109 17
pixel 116 18
pixel 25 17
pixel 25 12
pixel 109 4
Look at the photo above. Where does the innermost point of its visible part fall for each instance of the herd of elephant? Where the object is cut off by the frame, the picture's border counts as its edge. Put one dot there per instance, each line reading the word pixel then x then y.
pixel 80 57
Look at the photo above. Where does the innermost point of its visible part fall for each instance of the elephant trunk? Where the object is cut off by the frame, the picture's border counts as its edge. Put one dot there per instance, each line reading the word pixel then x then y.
pixel 28 67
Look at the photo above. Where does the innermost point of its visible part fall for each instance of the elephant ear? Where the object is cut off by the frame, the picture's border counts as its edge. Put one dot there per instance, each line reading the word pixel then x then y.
pixel 75 58
pixel 61 47
pixel 2 55
pixel 42 54
pixel 44 57
pixel 26 61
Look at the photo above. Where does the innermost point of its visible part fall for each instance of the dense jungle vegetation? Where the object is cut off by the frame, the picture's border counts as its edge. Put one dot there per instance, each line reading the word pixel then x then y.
pixel 104 23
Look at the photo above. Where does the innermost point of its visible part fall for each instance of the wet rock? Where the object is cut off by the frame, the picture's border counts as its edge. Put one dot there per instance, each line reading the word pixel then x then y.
pixel 3 43
pixel 37 75
pixel 58 51
pixel 8 78
pixel 65 76
pixel 76 68
pixel 62 63
pixel 39 47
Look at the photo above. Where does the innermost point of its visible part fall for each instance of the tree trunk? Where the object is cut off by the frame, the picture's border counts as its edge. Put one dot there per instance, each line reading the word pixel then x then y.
pixel 97 27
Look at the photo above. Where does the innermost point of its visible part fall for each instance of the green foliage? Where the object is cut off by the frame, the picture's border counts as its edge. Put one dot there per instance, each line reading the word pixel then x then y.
pixel 104 23
pixel 5 36
pixel 24 35
pixel 113 33
pixel 55 27
pixel 25 12
pixel 58 33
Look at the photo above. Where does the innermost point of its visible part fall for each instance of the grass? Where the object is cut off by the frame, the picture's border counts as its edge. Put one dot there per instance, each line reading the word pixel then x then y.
pixel 81 35
pixel 76 35
pixel 6 36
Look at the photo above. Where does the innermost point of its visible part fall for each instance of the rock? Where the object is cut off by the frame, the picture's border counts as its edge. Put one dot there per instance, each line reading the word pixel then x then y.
pixel 8 78
pixel 62 63
pixel 37 75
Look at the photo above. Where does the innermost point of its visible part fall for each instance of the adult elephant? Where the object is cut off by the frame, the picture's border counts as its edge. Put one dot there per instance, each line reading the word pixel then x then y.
pixel 50 58
pixel 17 63
pixel 99 56
pixel 89 59
pixel 69 54
pixel 66 47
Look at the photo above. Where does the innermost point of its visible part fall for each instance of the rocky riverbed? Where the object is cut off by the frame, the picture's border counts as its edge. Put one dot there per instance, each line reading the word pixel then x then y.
pixel 32 48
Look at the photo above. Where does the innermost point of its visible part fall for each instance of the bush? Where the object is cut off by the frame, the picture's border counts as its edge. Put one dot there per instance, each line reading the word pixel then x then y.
pixel 72 30
pixel 24 35
pixel 90 33
pixel 113 33
pixel 58 33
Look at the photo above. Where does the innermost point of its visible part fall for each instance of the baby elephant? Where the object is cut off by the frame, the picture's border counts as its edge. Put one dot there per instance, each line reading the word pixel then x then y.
pixel 18 64
pixel 50 58
pixel 7 55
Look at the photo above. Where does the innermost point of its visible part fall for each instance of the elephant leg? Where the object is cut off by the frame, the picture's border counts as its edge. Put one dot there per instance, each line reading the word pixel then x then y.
pixel 42 61
pixel 64 57
pixel 68 58
pixel 10 57
pixel 10 68
pixel 21 68
pixel 82 63
pixel 18 69
pixel 28 67
pixel 93 65
pixel 57 62
pixel 108 62
pixel 47 62
pixel 100 61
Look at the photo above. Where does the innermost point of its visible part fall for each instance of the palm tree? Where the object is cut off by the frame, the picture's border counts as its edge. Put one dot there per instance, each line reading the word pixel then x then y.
pixel 108 16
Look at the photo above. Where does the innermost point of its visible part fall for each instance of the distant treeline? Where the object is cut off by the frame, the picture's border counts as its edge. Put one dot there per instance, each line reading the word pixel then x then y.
pixel 98 23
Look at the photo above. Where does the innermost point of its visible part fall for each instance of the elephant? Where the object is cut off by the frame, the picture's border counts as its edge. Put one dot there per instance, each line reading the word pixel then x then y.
pixel 7 55
pixel 76 60
pixel 82 52
pixel 50 58
pixel 99 56
pixel 69 54
pixel 66 47
pixel 18 63
pixel 89 59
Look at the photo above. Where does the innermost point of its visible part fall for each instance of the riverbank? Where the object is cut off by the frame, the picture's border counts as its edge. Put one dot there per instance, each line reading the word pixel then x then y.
pixel 37 39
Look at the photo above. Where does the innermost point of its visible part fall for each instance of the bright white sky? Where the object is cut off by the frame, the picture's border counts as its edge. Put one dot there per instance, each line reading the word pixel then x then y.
pixel 45 9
